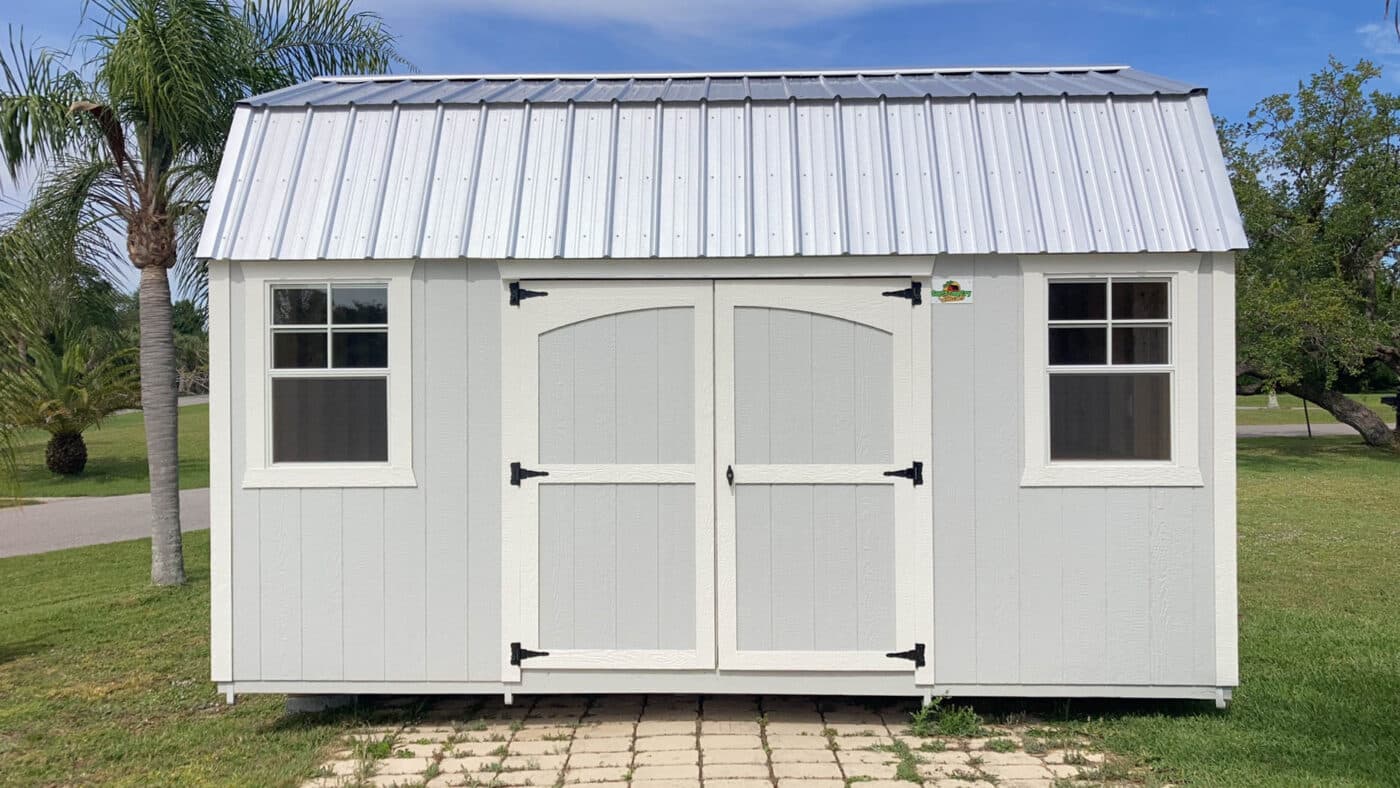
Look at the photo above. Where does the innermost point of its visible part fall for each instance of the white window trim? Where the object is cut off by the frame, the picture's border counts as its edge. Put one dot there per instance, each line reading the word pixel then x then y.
pixel 1183 469
pixel 259 280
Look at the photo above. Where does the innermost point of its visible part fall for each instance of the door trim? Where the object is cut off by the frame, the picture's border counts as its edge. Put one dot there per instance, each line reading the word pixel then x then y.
pixel 912 441
pixel 521 328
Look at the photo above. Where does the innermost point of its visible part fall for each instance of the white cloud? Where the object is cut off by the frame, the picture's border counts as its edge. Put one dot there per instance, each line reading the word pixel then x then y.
pixel 695 18
pixel 1380 39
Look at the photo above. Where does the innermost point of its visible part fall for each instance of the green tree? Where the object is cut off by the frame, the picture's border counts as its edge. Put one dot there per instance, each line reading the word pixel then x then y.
pixel 129 130
pixel 1317 176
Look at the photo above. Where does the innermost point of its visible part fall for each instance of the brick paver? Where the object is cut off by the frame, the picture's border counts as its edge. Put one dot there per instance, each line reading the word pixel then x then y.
pixel 688 742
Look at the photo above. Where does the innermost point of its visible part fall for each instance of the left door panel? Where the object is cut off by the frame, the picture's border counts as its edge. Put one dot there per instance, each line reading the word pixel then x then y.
pixel 609 555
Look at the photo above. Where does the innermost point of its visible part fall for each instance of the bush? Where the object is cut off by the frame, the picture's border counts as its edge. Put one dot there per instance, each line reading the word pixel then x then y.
pixel 66 453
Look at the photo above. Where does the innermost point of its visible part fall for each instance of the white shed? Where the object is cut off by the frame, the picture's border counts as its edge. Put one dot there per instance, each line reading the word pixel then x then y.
pixel 882 383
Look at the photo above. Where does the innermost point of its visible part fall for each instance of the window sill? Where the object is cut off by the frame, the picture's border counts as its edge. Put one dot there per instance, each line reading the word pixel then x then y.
pixel 329 475
pixel 1112 474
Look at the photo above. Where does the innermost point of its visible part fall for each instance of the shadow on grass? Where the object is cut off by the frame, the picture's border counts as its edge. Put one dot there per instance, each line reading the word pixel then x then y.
pixel 14 650
pixel 1283 455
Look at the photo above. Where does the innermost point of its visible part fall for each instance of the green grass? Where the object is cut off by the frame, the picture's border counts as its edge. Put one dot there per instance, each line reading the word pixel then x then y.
pixel 1319 703
pixel 116 458
pixel 105 680
pixel 1251 410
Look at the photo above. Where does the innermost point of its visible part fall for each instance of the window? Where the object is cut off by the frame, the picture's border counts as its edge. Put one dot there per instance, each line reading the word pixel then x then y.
pixel 333 405
pixel 330 373
pixel 1109 365
pixel 1111 371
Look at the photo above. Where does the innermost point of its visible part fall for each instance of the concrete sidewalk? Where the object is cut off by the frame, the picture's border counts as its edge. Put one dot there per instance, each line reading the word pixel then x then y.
pixel 74 522
pixel 1292 430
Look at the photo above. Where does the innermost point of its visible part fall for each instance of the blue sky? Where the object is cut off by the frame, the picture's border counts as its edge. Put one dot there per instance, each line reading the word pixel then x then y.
pixel 1242 50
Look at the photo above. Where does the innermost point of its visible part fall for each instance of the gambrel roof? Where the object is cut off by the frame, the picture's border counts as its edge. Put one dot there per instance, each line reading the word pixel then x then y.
pixel 1011 160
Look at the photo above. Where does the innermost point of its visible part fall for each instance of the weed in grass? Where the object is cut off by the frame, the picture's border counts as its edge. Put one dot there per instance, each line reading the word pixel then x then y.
pixel 1001 745
pixel 975 761
pixel 965 775
pixel 1076 758
pixel 1034 745
pixel 959 721
pixel 860 778
pixel 907 768
pixel 500 752
pixel 933 745
pixel 924 721
pixel 517 726
pixel 557 737
pixel 403 752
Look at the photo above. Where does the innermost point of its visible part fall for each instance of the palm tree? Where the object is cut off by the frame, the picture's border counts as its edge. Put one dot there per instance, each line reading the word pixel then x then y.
pixel 129 130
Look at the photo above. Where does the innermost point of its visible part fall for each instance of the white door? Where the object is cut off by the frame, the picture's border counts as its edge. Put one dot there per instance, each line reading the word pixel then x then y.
pixel 822 564
pixel 609 515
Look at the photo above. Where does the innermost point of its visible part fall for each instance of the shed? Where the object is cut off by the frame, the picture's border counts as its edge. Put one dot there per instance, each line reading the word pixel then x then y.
pixel 885 383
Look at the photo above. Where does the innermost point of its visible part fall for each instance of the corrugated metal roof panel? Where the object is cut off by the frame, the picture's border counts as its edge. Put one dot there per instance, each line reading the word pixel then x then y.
pixel 580 88
pixel 799 175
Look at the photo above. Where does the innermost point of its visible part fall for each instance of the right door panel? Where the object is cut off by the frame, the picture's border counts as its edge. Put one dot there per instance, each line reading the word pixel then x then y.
pixel 816 542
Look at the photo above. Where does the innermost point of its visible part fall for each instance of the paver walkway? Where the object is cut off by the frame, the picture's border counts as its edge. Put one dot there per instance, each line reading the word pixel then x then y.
pixel 74 522
pixel 665 741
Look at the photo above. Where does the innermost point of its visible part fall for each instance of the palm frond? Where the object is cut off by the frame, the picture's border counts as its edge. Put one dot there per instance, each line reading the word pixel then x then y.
pixel 36 91
pixel 295 40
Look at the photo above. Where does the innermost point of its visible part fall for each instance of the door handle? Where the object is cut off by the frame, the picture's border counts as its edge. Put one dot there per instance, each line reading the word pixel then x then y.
pixel 729 475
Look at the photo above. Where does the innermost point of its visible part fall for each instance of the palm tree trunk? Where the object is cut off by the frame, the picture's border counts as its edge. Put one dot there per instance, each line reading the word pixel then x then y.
pixel 160 408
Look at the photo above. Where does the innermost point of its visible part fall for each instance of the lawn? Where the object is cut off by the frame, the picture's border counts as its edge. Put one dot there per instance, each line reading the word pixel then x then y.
pixel 1251 409
pixel 105 680
pixel 116 458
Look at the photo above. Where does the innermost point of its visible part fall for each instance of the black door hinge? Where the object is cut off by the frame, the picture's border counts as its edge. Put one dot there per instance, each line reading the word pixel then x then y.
pixel 518 294
pixel 914 292
pixel 518 473
pixel 519 654
pixel 914 473
pixel 915 655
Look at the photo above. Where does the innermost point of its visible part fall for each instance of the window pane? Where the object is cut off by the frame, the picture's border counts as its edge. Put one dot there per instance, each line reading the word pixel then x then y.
pixel 330 420
pixel 1078 300
pixel 1140 300
pixel 299 349
pixel 299 306
pixel 1140 345
pixel 1110 417
pixel 360 304
pixel 360 349
pixel 1079 345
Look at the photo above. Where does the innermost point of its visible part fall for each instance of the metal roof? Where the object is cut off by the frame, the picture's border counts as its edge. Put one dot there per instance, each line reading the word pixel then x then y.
pixel 911 162
pixel 766 86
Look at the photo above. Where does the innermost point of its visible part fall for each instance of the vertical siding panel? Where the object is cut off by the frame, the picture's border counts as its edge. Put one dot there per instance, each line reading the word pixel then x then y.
pixel 595 566
pixel 790 388
pixel 838 561
pixel 997 462
pixel 405 587
pixel 280 565
pixel 751 386
pixel 1043 550
pixel 484 469
pixel 876 550
pixel 1085 593
pixel 362 546
pixel 595 390
pixel 792 566
pixel 675 524
pixel 754 558
pixel 556 381
pixel 1129 584
pixel 1171 598
pixel 638 388
pixel 447 588
pixel 675 376
pixel 1203 498
pixel 639 603
pixel 556 556
pixel 322 605
pixel 874 396
pixel 954 404
pixel 833 397
pixel 244 547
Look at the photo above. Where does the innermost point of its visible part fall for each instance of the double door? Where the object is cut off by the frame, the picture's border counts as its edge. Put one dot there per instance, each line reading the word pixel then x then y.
pixel 710 474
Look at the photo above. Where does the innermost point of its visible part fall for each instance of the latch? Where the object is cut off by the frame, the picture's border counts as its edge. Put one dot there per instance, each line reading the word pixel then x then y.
pixel 519 654
pixel 518 473
pixel 518 294
pixel 914 292
pixel 914 473
pixel 915 655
